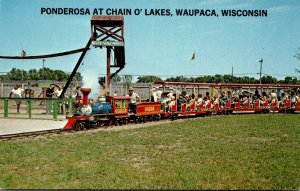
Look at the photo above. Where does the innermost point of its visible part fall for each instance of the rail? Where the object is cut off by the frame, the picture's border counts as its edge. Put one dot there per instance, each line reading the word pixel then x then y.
pixel 36 107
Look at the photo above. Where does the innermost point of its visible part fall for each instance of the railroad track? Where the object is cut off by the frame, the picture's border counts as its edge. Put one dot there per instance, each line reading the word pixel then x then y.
pixel 31 134
pixel 19 136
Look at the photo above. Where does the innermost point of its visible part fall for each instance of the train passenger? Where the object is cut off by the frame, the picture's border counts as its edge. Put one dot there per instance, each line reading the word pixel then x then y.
pixel 191 101
pixel 256 94
pixel 254 99
pixel 273 97
pixel 279 94
pixel 181 100
pixel 263 98
pixel 133 100
pixel 282 100
pixel 245 100
pixel 294 98
pixel 207 95
pixel 215 101
pixel 199 100
pixel 164 100
pixel 156 95
pixel 17 92
pixel 229 96
pixel 206 101
pixel 187 98
pixel 171 102
pixel 223 99
pixel 235 99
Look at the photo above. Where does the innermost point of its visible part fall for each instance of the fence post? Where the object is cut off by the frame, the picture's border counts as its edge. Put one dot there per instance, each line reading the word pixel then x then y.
pixel 29 108
pixel 6 108
pixel 55 108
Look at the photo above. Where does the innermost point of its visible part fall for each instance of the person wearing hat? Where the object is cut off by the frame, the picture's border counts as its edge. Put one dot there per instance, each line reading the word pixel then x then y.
pixel 133 99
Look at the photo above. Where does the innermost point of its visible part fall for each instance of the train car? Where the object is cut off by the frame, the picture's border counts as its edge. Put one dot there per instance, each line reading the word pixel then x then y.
pixel 242 98
pixel 179 110
pixel 248 98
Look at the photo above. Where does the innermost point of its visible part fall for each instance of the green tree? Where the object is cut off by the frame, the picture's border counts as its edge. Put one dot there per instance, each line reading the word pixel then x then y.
pixel 34 74
pixel 289 80
pixel 148 79
pixel 177 79
pixel 268 80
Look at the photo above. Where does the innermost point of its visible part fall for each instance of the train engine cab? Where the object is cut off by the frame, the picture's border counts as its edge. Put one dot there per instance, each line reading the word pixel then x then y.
pixel 119 109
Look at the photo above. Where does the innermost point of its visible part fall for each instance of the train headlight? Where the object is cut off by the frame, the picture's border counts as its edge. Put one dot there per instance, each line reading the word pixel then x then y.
pixel 92 118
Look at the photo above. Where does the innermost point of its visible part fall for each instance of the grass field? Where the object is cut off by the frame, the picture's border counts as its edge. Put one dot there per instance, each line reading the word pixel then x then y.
pixel 220 152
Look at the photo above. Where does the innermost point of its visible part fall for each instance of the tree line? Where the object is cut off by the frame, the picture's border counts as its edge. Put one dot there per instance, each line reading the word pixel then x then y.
pixel 38 74
pixel 218 78
pixel 59 75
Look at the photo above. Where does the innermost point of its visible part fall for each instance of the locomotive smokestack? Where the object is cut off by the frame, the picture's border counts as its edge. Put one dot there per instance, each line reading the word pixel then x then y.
pixel 85 92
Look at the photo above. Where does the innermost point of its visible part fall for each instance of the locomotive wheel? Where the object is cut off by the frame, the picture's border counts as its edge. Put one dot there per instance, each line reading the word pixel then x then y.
pixel 150 118
pixel 158 117
pixel 174 117
pixel 121 122
pixel 76 126
pixel 108 123
pixel 126 121
pixel 137 120
pixel 143 119
pixel 115 122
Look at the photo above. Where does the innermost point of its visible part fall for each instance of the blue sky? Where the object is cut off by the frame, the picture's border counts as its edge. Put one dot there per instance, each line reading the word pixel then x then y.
pixel 158 45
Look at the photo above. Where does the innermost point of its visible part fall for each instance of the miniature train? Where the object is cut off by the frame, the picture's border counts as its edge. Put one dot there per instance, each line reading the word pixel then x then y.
pixel 114 110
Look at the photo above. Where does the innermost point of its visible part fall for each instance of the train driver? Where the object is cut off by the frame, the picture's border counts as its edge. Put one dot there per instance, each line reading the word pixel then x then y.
pixel 133 99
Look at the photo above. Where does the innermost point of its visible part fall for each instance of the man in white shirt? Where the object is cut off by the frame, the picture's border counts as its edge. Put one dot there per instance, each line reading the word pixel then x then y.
pixel 17 92
pixel 58 91
pixel 133 99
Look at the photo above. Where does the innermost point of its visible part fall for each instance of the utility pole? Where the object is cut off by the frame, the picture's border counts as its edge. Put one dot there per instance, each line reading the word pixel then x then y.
pixel 261 61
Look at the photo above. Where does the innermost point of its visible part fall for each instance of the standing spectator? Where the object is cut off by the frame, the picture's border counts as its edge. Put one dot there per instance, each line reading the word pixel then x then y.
pixel 17 92
pixel 58 92
pixel 133 99
pixel 49 95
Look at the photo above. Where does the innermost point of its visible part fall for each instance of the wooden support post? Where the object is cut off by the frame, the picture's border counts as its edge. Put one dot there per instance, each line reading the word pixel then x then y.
pixel 107 80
